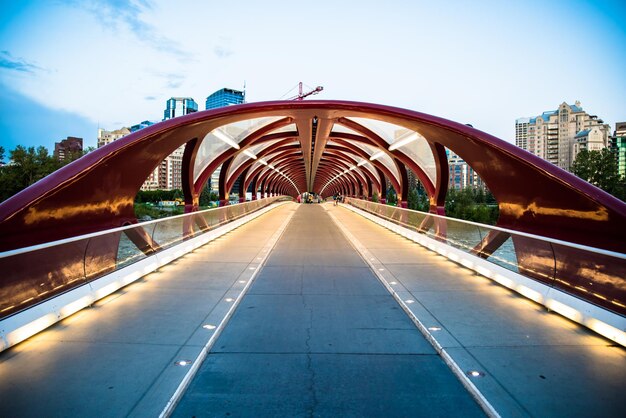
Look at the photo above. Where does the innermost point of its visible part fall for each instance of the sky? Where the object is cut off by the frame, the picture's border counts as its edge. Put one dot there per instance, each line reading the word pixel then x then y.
pixel 68 67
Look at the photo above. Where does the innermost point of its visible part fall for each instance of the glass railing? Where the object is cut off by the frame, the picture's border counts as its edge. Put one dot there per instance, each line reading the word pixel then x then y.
pixel 35 274
pixel 595 275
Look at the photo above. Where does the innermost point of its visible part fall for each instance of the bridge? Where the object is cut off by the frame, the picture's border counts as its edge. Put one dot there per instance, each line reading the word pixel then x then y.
pixel 274 308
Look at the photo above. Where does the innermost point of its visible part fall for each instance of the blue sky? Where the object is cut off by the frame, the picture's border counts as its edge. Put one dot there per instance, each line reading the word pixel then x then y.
pixel 67 67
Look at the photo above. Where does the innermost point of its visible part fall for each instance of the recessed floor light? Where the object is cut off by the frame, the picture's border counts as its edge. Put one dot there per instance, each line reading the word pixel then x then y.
pixel 242 281
pixel 475 373
pixel 381 269
pixel 208 326
pixel 183 363
pixel 229 299
pixel 434 328
pixel 251 268
pixel 393 282
pixel 409 301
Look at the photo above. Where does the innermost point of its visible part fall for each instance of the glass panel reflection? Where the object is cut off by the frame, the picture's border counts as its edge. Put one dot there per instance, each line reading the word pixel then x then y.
pixel 75 262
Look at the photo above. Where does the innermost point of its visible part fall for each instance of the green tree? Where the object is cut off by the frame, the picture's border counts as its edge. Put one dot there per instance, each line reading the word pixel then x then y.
pixel 600 169
pixel 26 166
pixel 206 197
pixel 413 200
pixel 392 198
pixel 466 204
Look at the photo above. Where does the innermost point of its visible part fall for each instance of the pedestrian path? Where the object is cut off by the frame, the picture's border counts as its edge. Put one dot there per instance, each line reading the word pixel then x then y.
pixel 531 362
pixel 317 334
pixel 121 356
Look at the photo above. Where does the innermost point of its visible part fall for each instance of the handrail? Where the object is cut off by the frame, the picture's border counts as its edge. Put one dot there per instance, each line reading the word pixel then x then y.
pixel 37 273
pixel 508 231
pixel 123 228
pixel 593 274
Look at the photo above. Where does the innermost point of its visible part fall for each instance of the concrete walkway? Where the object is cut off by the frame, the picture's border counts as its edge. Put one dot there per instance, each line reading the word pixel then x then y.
pixel 535 363
pixel 118 358
pixel 318 335
pixel 315 335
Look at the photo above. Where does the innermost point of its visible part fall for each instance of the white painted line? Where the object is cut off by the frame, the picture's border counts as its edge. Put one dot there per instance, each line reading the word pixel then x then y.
pixel 454 367
pixel 22 325
pixel 182 387
pixel 602 321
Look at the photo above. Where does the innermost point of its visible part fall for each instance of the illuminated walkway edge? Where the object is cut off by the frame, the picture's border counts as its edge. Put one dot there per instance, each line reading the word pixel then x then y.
pixel 317 334
pixel 29 322
pixel 608 324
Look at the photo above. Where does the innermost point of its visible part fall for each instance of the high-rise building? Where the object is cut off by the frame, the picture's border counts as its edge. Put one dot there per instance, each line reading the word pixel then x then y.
pixel 553 134
pixel 141 125
pixel 179 106
pixel 106 137
pixel 618 145
pixel 461 175
pixel 521 132
pixel 64 149
pixel 168 174
pixel 225 97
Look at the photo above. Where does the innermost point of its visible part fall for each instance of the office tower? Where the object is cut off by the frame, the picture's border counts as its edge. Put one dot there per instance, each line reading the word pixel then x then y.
pixel 168 174
pixel 141 125
pixel 179 106
pixel 225 97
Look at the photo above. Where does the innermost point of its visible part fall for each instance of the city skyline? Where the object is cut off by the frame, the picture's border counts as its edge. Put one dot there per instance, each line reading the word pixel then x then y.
pixel 75 67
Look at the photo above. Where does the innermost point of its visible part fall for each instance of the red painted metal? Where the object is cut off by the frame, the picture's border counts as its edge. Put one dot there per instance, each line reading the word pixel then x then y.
pixel 97 191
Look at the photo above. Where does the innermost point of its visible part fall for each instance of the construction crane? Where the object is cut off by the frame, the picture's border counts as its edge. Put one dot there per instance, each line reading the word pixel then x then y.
pixel 301 95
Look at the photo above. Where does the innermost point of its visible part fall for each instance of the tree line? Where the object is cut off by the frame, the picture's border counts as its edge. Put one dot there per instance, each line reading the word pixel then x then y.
pixel 27 166
pixel 470 204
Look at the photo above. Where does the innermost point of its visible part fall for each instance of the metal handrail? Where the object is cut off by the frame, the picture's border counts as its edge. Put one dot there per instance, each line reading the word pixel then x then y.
pixel 509 231
pixel 123 228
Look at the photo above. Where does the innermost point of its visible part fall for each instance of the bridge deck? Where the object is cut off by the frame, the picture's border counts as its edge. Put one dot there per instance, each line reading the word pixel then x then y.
pixel 316 334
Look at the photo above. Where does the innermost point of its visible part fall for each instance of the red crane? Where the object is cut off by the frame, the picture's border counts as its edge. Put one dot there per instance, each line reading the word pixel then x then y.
pixel 301 95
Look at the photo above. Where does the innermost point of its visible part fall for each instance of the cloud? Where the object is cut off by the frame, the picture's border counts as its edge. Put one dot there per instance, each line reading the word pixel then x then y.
pixel 174 81
pixel 150 98
pixel 10 62
pixel 112 13
pixel 222 52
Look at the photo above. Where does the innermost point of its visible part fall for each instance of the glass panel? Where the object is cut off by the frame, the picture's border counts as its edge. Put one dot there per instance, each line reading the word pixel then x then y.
pixel 385 159
pixel 241 158
pixel 418 149
pixel 212 145
pixel 387 131
pixel 288 128
pixel 31 277
pixel 62 267
pixel 462 235
pixel 344 129
pixel 128 253
pixel 169 232
pixel 505 256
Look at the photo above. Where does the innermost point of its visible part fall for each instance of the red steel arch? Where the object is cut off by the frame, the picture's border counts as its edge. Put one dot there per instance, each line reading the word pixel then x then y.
pixel 97 191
